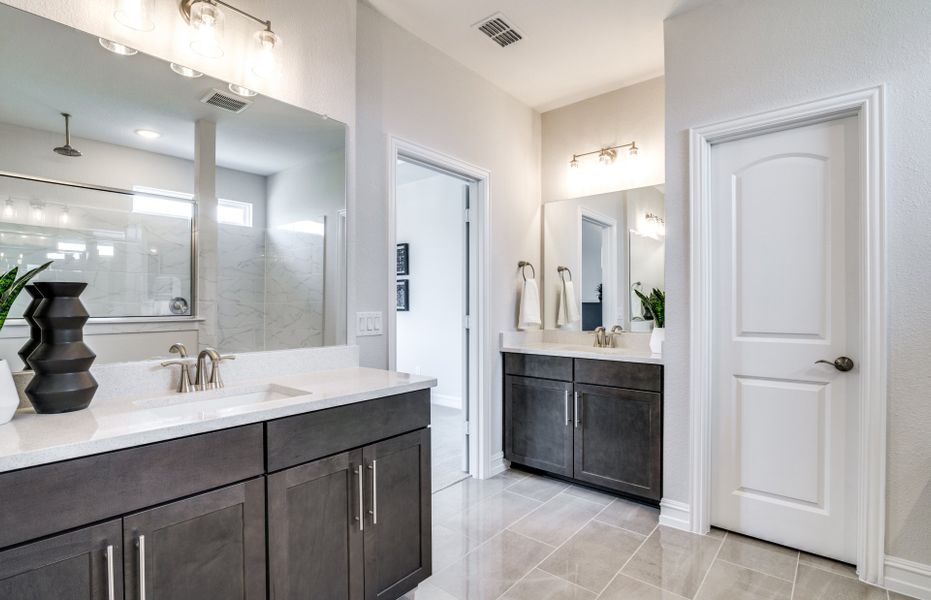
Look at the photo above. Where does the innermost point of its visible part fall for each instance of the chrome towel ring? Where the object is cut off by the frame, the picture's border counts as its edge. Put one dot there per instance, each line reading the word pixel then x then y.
pixel 562 271
pixel 523 266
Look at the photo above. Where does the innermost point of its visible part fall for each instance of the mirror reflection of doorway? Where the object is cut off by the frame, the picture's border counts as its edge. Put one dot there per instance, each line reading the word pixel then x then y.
pixel 599 265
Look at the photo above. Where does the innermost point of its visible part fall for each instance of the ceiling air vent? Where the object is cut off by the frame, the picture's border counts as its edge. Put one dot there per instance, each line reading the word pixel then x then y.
pixel 225 101
pixel 499 30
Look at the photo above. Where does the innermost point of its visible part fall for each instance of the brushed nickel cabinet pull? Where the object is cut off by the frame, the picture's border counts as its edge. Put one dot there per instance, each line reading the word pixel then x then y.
pixel 140 544
pixel 568 421
pixel 111 591
pixel 578 418
pixel 374 511
pixel 361 483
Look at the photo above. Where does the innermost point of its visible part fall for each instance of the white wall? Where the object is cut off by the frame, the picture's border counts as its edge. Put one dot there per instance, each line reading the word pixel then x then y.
pixel 430 335
pixel 732 58
pixel 633 113
pixel 409 89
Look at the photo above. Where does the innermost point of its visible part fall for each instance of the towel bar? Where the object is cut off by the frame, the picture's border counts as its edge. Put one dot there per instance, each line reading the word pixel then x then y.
pixel 523 265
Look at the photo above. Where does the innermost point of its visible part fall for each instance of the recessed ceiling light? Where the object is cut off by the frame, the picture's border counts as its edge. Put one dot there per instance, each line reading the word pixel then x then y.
pixel 117 48
pixel 241 91
pixel 148 134
pixel 185 71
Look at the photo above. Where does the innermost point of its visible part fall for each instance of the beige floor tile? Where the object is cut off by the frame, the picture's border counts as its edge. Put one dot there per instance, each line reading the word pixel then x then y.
pixel 826 564
pixel 542 586
pixel 538 488
pixel 590 495
pixel 625 588
pixel 673 560
pixel 492 568
pixel 630 515
pixel 556 521
pixel 733 582
pixel 512 475
pixel 593 556
pixel 897 596
pixel 815 584
pixel 458 498
pixel 449 546
pixel 427 591
pixel 492 514
pixel 761 556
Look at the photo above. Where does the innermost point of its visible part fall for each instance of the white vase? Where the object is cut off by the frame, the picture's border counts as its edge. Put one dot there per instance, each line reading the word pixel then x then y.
pixel 656 340
pixel 9 399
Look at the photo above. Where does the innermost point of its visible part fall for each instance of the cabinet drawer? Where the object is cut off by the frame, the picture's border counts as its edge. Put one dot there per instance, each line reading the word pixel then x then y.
pixel 533 365
pixel 47 499
pixel 303 438
pixel 633 376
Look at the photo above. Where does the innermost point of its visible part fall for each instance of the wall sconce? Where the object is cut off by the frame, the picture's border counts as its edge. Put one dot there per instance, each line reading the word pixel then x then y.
pixel 607 155
pixel 657 225
pixel 206 18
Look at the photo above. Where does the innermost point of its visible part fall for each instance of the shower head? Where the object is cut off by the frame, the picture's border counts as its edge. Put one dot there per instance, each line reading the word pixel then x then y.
pixel 67 150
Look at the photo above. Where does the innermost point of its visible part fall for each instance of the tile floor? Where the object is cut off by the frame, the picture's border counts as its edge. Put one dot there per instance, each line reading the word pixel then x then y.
pixel 523 537
pixel 447 443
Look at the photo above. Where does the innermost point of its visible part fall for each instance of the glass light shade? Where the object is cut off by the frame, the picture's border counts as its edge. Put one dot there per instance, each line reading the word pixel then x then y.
pixel 241 90
pixel 185 71
pixel 207 24
pixel 63 217
pixel 633 150
pixel 9 210
pixel 574 163
pixel 265 60
pixel 135 14
pixel 117 48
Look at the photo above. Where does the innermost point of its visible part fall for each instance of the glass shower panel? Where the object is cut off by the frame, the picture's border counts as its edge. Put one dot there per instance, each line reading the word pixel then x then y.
pixel 133 250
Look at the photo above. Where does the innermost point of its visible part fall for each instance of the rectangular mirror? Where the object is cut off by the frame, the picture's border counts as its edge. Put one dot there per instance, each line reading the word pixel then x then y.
pixel 608 246
pixel 188 205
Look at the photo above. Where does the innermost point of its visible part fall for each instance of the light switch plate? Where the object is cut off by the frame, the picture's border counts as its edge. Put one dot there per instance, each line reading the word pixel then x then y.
pixel 369 323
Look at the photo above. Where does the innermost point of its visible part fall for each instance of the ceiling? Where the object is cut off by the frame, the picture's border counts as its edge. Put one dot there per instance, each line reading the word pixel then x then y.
pixel 111 96
pixel 571 49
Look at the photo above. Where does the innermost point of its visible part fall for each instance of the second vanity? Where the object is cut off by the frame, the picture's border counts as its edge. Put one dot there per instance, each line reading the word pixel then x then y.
pixel 592 415
pixel 320 487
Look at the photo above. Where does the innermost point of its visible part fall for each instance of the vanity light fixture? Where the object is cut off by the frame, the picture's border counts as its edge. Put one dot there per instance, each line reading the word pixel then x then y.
pixel 185 71
pixel 63 217
pixel 135 14
pixel 117 48
pixel 206 19
pixel 9 210
pixel 606 155
pixel 148 134
pixel 240 90
pixel 37 211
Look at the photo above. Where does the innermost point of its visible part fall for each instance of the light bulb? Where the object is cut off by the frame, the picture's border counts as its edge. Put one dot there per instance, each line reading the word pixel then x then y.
pixel 574 163
pixel 207 23
pixel 633 149
pixel 265 63
pixel 63 217
pixel 135 14
pixel 38 213
pixel 9 210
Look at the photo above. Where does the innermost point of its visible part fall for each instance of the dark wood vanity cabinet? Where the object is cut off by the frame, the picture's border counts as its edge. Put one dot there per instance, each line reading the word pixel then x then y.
pixel 351 524
pixel 597 422
pixel 86 564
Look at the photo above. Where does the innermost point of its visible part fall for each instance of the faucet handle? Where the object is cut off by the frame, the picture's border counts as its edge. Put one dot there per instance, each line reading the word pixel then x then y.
pixel 184 383
pixel 215 380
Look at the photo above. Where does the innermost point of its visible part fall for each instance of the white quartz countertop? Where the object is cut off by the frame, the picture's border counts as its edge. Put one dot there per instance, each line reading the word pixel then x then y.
pixel 30 439
pixel 573 351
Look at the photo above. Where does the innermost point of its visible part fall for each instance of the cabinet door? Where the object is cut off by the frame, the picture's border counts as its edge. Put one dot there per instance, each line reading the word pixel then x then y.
pixel 82 565
pixel 207 547
pixel 618 439
pixel 398 515
pixel 315 514
pixel 538 423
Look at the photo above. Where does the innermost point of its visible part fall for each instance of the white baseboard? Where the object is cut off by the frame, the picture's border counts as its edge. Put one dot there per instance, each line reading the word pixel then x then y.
pixel 675 514
pixel 446 400
pixel 908 577
pixel 498 465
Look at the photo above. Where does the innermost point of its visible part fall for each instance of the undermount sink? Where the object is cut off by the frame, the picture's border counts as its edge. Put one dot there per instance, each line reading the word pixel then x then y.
pixel 217 402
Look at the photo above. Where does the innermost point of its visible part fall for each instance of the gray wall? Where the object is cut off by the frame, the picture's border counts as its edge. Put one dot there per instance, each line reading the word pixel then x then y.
pixel 734 58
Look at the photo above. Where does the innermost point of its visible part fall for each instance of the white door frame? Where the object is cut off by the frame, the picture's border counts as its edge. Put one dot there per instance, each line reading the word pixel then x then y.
pixel 609 290
pixel 867 106
pixel 480 366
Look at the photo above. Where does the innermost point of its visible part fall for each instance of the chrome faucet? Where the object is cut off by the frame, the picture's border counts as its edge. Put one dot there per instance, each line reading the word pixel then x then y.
pixel 616 330
pixel 215 382
pixel 601 337
pixel 184 383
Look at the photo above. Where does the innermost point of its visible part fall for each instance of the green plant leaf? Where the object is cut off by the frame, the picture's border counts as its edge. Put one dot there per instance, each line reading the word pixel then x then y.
pixel 9 290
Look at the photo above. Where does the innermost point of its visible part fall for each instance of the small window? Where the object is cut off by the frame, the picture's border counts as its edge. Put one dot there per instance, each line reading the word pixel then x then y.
pixel 233 212
pixel 158 202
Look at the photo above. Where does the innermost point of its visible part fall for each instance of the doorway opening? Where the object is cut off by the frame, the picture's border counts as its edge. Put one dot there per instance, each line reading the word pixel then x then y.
pixel 433 274
pixel 598 240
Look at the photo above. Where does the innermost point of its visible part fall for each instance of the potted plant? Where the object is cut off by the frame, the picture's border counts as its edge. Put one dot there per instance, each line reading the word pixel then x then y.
pixel 654 306
pixel 10 287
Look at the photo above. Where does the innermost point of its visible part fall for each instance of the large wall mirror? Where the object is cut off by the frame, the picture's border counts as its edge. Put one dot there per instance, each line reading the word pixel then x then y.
pixel 195 211
pixel 610 246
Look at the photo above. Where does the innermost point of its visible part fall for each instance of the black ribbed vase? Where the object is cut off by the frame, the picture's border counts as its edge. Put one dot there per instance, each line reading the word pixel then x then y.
pixel 35 332
pixel 62 361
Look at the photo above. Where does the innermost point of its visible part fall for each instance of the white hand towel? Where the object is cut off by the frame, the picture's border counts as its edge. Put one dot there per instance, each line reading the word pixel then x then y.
pixel 572 304
pixel 529 313
pixel 561 316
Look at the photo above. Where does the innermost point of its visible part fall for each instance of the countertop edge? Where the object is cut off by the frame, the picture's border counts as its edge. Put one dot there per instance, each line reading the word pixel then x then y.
pixel 131 439
pixel 652 360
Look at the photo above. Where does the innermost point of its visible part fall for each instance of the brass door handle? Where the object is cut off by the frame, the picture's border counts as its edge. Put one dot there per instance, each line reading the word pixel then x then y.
pixel 842 363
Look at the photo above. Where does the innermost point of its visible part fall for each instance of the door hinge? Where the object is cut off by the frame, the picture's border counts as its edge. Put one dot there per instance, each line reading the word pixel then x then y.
pixel 468 215
pixel 467 427
pixel 467 322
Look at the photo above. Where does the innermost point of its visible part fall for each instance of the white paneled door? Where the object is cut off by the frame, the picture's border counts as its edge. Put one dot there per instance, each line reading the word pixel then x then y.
pixel 785 258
